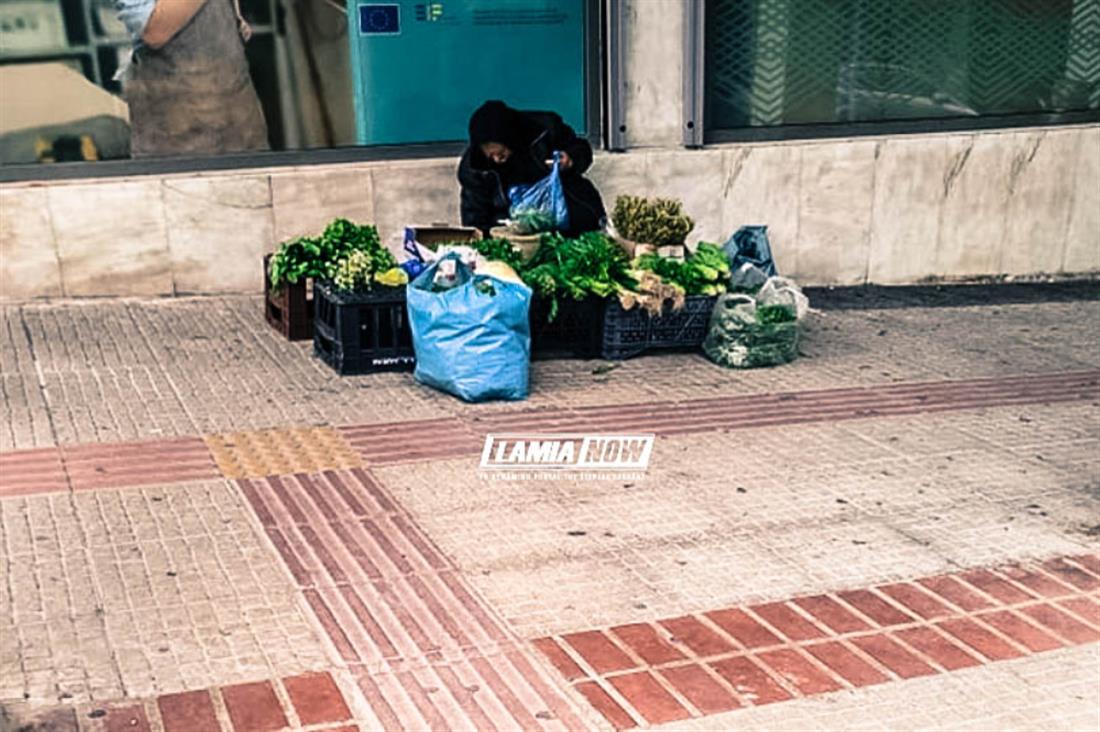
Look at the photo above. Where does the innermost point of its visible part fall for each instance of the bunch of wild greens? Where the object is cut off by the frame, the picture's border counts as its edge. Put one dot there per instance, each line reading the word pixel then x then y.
pixel 318 256
pixel 660 221
pixel 704 272
pixel 591 264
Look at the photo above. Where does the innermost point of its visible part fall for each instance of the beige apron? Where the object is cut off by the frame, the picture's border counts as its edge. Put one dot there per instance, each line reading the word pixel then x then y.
pixel 194 96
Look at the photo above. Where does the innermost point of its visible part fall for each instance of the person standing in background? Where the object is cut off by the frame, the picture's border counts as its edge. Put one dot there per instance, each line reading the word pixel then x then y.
pixel 188 84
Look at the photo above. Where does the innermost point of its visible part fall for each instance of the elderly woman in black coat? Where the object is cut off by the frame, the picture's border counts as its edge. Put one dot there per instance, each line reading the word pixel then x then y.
pixel 509 147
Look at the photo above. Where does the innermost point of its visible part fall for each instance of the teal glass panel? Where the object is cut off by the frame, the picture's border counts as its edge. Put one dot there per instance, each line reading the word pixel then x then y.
pixel 420 68
pixel 789 62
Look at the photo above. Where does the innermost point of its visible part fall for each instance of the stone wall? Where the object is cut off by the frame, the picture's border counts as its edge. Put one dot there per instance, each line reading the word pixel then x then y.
pixel 882 210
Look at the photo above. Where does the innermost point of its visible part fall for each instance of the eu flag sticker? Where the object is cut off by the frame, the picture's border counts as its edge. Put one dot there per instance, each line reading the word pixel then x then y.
pixel 377 19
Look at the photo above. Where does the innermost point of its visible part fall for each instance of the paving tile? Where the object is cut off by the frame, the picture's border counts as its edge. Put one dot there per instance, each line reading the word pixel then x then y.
pixel 1062 624
pixel 254 707
pixel 565 665
pixel 799 671
pixel 916 600
pixel 1067 572
pixel 598 650
pixel 646 695
pixel 316 698
pixel 936 647
pixel 191 711
pixel 957 593
pixel 980 639
pixel 750 681
pixel 1018 629
pixel 1038 582
pixel 829 612
pixel 744 629
pixel 996 587
pixel 606 706
pixel 783 618
pixel 1084 608
pixel 846 664
pixel 701 640
pixel 874 607
pixel 700 688
pixel 893 656
pixel 644 640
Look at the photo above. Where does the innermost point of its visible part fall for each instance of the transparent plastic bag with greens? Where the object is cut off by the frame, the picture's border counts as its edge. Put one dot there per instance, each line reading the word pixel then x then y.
pixel 748 331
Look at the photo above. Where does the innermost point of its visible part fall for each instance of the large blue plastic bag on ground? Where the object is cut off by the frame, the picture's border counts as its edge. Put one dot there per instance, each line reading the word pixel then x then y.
pixel 749 244
pixel 469 343
pixel 540 206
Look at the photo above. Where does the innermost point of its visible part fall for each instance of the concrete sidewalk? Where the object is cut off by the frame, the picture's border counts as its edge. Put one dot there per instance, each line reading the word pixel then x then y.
pixel 202 527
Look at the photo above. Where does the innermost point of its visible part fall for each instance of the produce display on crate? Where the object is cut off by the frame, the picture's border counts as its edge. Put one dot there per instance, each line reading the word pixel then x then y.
pixel 290 270
pixel 360 324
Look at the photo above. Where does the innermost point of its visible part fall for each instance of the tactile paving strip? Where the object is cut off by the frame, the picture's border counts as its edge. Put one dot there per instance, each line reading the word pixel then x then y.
pixel 281 452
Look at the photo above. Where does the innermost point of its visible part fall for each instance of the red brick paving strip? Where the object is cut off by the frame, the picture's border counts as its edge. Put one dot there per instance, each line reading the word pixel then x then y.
pixel 605 705
pixel 176 460
pixel 565 665
pixel 316 698
pixel 254 707
pixel 831 613
pixel 750 681
pixel 699 688
pixel 1062 624
pixel 893 656
pixel 788 622
pixel 799 672
pixel 938 648
pixel 951 622
pixel 643 639
pixel 701 640
pixel 916 600
pixel 190 711
pixel 956 592
pixel 874 607
pixel 1000 589
pixel 744 629
pixel 1075 576
pixel 1021 631
pixel 389 600
pixel 598 650
pixel 980 639
pixel 651 699
pixel 846 664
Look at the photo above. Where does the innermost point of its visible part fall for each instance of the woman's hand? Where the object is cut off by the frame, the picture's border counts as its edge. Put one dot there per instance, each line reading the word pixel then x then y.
pixel 564 161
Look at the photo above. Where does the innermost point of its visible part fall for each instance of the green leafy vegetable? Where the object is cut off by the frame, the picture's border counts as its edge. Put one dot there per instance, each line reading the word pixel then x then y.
pixel 591 264
pixel 319 257
pixel 500 250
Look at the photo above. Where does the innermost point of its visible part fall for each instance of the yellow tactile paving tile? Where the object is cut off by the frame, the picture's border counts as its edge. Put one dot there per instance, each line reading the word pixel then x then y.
pixel 258 453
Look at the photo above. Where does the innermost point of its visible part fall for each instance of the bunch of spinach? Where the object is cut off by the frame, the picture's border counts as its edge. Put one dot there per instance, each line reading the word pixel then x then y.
pixel 591 264
pixel 317 256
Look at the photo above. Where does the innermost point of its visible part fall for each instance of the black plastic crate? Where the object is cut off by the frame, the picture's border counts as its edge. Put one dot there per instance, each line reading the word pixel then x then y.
pixel 574 331
pixel 627 333
pixel 362 333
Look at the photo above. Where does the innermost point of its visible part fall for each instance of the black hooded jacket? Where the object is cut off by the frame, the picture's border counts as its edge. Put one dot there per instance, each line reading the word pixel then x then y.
pixel 533 137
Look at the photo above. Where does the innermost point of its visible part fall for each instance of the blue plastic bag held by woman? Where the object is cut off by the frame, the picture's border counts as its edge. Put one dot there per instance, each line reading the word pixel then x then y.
pixel 472 340
pixel 540 206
